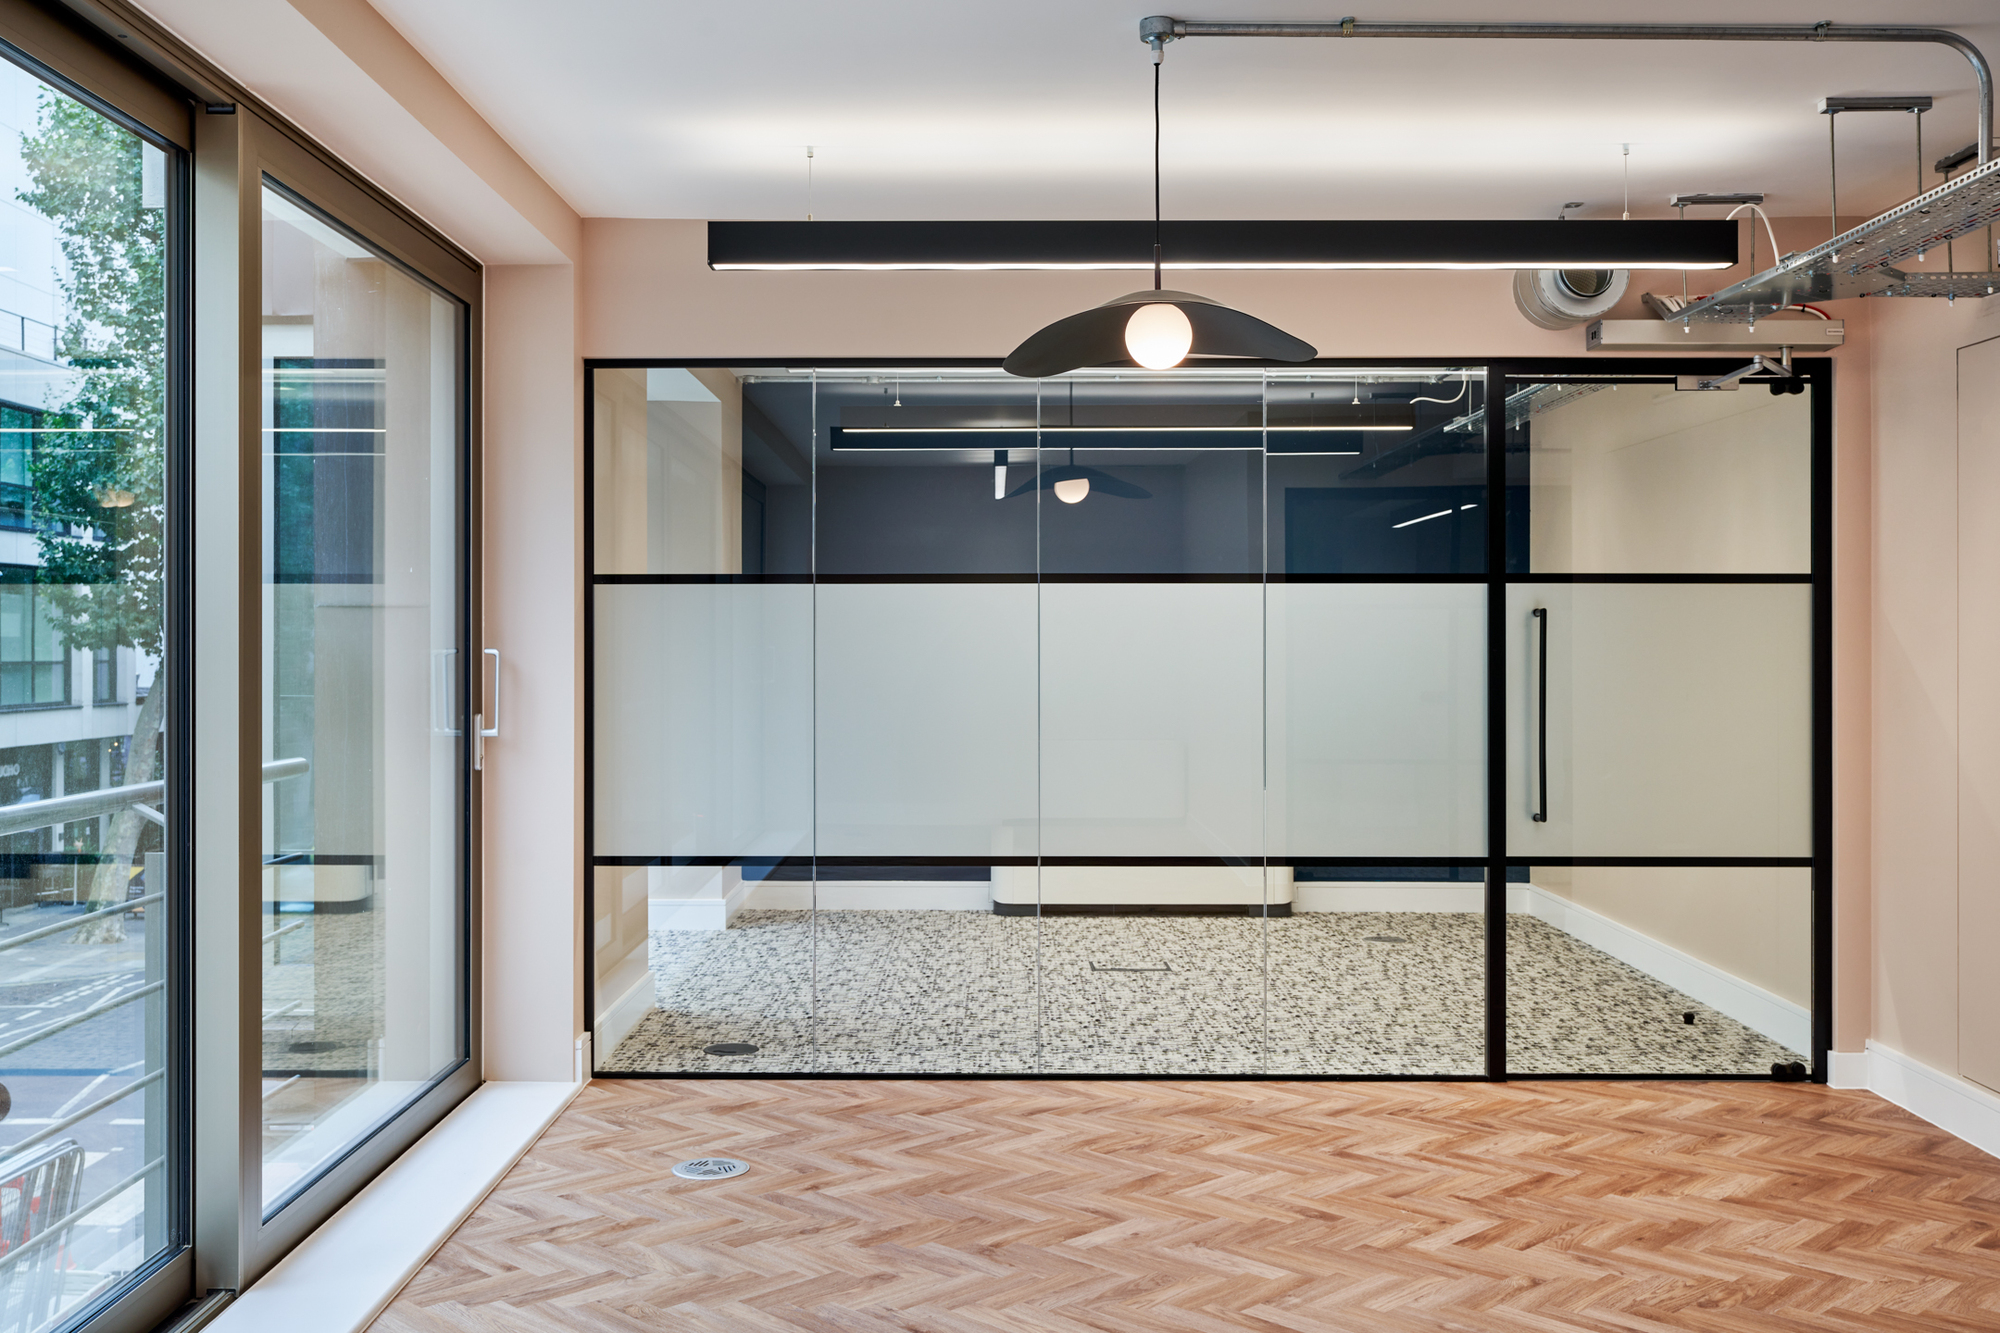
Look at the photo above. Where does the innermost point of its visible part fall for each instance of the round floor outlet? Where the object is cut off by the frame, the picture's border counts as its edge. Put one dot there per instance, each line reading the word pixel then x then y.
pixel 710 1168
pixel 730 1048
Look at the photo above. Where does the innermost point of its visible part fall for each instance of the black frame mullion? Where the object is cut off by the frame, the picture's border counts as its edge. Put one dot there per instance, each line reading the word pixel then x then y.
pixel 1496 721
pixel 1822 719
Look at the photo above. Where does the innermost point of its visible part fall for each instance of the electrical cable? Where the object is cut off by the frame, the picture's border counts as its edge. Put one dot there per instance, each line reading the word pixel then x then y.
pixel 1463 384
pixel 1767 225
pixel 1156 168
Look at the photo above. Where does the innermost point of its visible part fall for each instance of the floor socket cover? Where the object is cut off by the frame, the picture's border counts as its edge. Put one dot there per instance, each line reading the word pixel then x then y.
pixel 730 1048
pixel 710 1168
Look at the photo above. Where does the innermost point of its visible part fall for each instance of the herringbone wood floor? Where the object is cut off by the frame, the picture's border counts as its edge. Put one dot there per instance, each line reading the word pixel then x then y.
pixel 1195 1206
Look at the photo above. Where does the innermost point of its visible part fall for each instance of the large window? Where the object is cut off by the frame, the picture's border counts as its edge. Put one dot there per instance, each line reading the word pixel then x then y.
pixel 89 1162
pixel 34 661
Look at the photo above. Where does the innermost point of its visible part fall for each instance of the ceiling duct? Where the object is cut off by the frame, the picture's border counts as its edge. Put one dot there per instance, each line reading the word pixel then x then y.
pixel 1562 298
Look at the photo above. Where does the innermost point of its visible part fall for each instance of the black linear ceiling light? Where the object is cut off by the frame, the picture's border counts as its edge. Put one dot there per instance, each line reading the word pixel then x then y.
pixel 1156 329
pixel 1309 245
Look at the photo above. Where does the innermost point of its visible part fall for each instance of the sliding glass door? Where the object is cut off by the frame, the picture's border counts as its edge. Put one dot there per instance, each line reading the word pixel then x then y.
pixel 1223 721
pixel 368 687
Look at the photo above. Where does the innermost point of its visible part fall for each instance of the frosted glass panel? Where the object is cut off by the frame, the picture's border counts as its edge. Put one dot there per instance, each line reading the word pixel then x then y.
pixel 926 719
pixel 1152 734
pixel 1679 720
pixel 704 720
pixel 1377 721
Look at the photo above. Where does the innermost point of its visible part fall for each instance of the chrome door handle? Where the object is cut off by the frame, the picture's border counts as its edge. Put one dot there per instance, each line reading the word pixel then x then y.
pixel 480 731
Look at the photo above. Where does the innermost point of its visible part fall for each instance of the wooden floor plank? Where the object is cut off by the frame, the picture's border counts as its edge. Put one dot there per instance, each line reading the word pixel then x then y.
pixel 1097 1207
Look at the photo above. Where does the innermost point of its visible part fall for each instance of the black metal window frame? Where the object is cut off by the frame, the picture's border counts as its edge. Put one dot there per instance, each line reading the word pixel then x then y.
pixel 1817 373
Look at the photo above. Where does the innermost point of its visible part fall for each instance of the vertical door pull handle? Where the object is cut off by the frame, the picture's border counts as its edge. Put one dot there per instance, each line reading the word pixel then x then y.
pixel 480 731
pixel 1541 815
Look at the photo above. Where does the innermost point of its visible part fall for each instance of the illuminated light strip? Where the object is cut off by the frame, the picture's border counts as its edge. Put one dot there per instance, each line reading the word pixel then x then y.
pixel 1091 430
pixel 1425 519
pixel 1218 266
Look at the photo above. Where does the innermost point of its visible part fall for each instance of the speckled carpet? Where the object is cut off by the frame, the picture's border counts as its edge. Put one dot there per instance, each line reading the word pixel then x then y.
pixel 1323 993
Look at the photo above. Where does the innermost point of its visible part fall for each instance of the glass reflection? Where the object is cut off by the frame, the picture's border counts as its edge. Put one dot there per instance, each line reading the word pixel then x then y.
pixel 366 680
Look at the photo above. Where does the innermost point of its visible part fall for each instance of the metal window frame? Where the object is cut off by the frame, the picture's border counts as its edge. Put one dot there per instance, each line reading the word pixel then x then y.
pixel 238 153
pixel 221 140
pixel 1817 373
pixel 81 64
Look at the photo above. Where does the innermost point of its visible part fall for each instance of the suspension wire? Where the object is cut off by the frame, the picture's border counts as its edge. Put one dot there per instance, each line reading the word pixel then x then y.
pixel 1156 167
pixel 1832 180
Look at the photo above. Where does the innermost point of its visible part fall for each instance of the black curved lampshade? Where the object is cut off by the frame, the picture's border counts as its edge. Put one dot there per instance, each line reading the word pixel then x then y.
pixel 1097 337
pixel 1101 483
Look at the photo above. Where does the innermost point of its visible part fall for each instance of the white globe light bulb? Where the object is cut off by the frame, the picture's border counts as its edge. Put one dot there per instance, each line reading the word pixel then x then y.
pixel 1072 490
pixel 1158 336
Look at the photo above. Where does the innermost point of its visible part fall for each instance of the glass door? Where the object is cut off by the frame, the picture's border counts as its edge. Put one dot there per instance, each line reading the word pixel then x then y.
pixel 369 675
pixel 1659 648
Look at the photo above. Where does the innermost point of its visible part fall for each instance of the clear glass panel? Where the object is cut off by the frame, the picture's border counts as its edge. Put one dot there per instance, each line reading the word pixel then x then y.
pixel 924 664
pixel 1632 477
pixel 1677 721
pixel 1377 749
pixel 366 674
pixel 1152 887
pixel 1657 970
pixel 86 959
pixel 1377 720
pixel 1378 471
pixel 703 690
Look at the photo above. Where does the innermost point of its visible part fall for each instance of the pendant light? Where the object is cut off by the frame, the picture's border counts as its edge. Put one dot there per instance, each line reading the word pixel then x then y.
pixel 1156 329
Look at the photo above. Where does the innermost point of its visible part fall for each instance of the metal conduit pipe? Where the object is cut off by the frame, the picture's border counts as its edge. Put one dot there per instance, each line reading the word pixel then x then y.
pixel 1160 29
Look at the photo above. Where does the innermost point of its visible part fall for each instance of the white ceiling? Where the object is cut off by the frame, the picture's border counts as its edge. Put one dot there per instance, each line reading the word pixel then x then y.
pixel 1041 109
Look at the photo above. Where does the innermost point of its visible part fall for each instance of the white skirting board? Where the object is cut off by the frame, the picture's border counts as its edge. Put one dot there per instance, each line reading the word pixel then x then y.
pixel 1957 1106
pixel 868 895
pixel 1400 896
pixel 617 1018
pixel 345 1273
pixel 1754 1007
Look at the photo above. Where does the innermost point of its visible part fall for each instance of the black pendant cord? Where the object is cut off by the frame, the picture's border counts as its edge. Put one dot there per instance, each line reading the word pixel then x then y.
pixel 1156 171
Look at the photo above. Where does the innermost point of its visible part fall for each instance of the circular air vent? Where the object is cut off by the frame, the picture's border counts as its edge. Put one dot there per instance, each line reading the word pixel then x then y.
pixel 1562 298
pixel 710 1168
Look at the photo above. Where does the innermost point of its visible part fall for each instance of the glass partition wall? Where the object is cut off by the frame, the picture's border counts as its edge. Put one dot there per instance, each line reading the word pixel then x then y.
pixel 1226 721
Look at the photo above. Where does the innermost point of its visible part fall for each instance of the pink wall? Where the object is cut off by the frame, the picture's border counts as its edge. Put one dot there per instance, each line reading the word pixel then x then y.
pixel 646 291
pixel 1917 681
pixel 532 517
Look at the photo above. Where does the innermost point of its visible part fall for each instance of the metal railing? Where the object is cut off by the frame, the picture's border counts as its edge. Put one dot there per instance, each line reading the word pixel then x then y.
pixel 109 800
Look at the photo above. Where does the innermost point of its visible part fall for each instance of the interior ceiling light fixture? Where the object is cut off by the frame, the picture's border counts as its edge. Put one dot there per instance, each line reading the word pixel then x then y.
pixel 1194 245
pixel 1156 329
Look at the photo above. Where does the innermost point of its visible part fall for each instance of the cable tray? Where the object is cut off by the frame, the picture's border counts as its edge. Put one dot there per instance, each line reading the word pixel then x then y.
pixel 1877 258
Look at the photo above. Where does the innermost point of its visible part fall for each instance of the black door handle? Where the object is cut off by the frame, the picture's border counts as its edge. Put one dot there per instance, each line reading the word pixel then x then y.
pixel 1541 815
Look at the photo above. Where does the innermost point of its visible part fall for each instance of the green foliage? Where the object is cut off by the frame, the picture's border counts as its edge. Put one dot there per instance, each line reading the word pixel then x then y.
pixel 102 552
